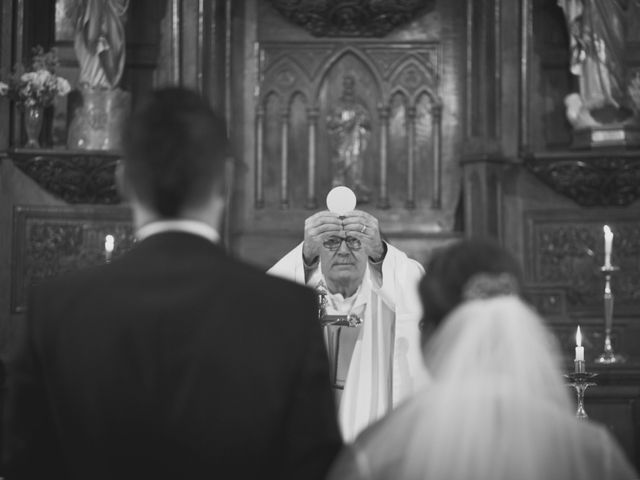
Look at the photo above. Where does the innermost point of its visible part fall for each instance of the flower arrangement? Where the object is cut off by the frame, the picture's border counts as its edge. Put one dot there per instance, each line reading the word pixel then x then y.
pixel 38 86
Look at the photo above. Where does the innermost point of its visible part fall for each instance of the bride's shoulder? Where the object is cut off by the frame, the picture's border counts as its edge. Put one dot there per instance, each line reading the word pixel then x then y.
pixel 392 428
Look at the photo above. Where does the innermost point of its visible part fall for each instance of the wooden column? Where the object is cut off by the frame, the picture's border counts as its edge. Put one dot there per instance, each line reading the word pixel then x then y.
pixel 259 187
pixel 484 75
pixel 383 111
pixel 436 121
pixel 191 43
pixel 284 159
pixel 526 45
pixel 19 48
pixel 312 117
pixel 176 39
pixel 411 148
pixel 6 33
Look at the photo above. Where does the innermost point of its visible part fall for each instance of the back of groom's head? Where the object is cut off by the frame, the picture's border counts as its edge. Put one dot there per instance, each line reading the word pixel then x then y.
pixel 175 147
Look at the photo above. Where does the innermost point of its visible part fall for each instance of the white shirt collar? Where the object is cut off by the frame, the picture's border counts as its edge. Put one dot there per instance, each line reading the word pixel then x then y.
pixel 181 225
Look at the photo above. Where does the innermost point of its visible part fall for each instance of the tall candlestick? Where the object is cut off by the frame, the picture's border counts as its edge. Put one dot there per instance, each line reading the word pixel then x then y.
pixel 579 347
pixel 109 244
pixel 608 243
pixel 579 360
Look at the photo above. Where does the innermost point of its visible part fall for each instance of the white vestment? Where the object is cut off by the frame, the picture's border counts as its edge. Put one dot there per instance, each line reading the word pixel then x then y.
pixel 386 365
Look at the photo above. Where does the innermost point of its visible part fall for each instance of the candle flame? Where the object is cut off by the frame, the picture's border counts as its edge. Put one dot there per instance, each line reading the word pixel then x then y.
pixel 109 243
pixel 578 337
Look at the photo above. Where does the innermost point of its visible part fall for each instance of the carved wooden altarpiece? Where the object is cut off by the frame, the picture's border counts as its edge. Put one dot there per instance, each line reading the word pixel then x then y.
pixel 396 84
pixel 77 177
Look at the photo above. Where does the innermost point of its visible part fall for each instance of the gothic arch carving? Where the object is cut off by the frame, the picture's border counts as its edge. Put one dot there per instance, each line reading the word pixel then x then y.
pixel 375 72
pixel 298 93
pixel 286 77
pixel 266 97
pixel 340 54
pixel 413 79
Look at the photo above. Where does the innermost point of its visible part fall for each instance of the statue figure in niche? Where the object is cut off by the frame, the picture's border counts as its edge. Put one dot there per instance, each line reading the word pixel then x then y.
pixel 99 42
pixel 349 128
pixel 597 43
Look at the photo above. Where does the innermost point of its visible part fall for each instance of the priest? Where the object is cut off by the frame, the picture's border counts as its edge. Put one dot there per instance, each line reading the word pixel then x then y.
pixel 376 363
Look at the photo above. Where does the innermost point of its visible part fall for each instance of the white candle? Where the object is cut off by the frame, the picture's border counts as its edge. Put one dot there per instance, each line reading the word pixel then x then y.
pixel 608 243
pixel 579 347
pixel 109 244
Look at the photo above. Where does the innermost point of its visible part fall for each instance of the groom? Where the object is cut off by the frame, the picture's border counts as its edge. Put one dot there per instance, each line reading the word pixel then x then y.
pixel 174 360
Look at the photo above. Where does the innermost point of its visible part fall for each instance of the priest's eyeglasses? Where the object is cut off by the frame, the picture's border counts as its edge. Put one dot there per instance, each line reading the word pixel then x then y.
pixel 333 243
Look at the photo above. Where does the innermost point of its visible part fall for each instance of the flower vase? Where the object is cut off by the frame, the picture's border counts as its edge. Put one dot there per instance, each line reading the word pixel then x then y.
pixel 33 125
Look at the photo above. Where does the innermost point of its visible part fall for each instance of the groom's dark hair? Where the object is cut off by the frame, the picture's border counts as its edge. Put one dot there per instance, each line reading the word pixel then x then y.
pixel 175 147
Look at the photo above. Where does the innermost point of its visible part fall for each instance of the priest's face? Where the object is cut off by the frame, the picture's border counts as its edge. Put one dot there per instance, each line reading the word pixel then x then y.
pixel 343 262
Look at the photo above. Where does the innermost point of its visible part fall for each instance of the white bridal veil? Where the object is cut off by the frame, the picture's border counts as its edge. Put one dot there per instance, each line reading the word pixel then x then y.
pixel 500 408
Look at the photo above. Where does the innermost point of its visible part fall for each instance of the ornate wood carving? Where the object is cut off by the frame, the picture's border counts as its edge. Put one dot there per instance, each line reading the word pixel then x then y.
pixel 351 18
pixel 590 178
pixel 565 252
pixel 315 73
pixel 310 63
pixel 76 177
pixel 50 241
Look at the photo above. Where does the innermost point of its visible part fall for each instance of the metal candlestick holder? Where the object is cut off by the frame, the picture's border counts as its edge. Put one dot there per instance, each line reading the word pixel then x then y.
pixel 322 301
pixel 581 380
pixel 608 356
pixel 349 320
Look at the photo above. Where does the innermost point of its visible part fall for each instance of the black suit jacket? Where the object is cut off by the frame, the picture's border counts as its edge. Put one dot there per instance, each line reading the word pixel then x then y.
pixel 174 361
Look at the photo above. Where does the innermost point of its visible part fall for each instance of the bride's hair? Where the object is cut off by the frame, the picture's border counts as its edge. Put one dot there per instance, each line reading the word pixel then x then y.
pixel 472 268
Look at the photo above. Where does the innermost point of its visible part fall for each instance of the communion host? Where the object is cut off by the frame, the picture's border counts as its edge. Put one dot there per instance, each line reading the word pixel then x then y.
pixel 174 360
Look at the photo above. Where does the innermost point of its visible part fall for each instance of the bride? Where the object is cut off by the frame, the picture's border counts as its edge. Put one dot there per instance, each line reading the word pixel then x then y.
pixel 497 407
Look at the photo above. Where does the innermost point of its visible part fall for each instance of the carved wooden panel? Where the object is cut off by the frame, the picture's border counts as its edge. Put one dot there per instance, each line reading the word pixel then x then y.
pixel 73 176
pixel 591 178
pixel 564 252
pixel 395 90
pixel 286 67
pixel 49 241
pixel 360 18
pixel 615 402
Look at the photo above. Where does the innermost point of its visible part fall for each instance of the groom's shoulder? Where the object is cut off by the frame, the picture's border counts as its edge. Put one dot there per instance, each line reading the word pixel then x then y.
pixel 255 276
